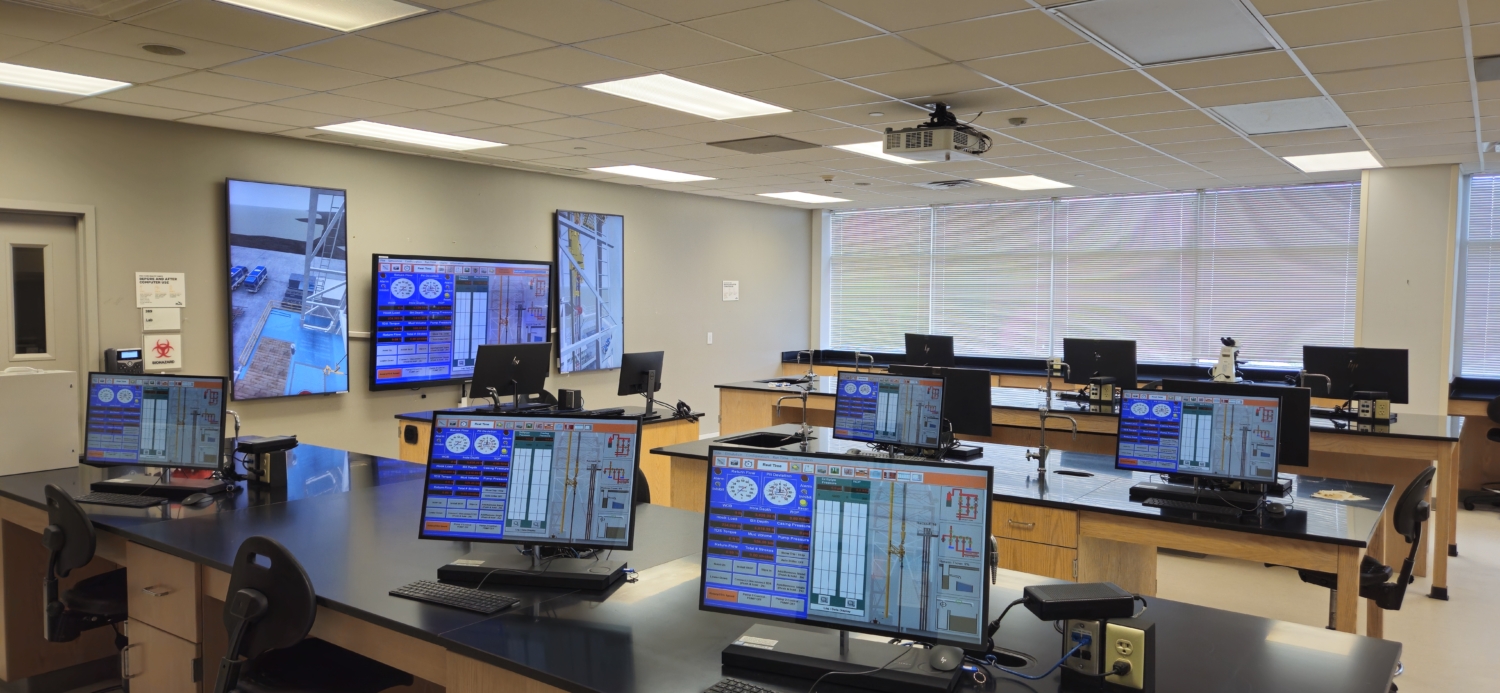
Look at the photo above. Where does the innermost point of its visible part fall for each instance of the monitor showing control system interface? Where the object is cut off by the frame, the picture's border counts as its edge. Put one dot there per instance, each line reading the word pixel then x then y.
pixel 1211 435
pixel 559 480
pixel 156 420
pixel 894 548
pixel 889 409
pixel 431 314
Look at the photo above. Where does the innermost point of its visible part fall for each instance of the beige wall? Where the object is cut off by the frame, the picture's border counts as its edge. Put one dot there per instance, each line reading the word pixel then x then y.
pixel 158 188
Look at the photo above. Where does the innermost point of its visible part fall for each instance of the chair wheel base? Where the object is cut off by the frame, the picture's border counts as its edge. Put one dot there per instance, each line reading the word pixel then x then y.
pixel 1439 593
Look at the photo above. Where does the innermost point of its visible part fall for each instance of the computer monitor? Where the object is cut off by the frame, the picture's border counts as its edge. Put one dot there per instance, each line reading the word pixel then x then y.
pixel 155 420
pixel 1356 369
pixel 1222 436
pixel 635 370
pixel 512 370
pixel 893 548
pixel 1295 415
pixel 1088 358
pixel 889 409
pixel 966 396
pixel 929 350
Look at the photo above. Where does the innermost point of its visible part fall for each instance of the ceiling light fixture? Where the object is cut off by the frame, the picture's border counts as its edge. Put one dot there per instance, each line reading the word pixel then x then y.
pixel 1025 183
pixel 877 150
pixel 681 95
pixel 51 80
pixel 1153 32
pixel 394 133
pixel 1342 161
pixel 340 15
pixel 652 173
pixel 1289 115
pixel 803 197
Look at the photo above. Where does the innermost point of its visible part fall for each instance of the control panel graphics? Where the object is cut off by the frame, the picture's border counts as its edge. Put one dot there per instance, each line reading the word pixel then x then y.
pixel 1232 437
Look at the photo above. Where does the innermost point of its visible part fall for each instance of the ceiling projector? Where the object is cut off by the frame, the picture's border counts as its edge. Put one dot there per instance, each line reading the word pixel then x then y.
pixel 941 138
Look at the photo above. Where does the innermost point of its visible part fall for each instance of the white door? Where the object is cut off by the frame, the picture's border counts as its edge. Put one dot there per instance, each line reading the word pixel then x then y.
pixel 39 292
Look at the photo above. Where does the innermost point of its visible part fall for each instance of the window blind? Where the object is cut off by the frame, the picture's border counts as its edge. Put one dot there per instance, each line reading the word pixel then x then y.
pixel 991 276
pixel 1480 349
pixel 880 270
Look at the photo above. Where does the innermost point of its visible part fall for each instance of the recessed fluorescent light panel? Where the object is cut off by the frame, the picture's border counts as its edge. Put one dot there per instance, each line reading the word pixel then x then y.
pixel 342 15
pixel 1152 32
pixel 679 94
pixel 51 80
pixel 1025 183
pixel 652 173
pixel 803 197
pixel 877 150
pixel 381 131
pixel 1291 115
pixel 1343 161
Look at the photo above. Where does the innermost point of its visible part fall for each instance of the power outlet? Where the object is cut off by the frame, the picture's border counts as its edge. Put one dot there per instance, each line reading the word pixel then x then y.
pixel 1131 641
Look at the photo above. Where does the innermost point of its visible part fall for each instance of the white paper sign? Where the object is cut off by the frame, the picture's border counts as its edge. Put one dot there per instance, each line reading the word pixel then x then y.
pixel 160 289
pixel 163 352
pixel 731 291
pixel 161 319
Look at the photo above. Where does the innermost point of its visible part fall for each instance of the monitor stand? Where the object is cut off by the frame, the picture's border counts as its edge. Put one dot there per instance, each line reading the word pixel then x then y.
pixel 164 486
pixel 809 654
pixel 503 565
pixel 650 395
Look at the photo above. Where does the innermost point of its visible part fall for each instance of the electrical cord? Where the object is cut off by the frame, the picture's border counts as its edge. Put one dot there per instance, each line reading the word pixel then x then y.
pixel 1082 643
pixel 858 673
pixel 994 626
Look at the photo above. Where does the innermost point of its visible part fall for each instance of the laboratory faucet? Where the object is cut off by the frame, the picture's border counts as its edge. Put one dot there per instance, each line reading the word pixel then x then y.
pixel 810 373
pixel 805 431
pixel 858 356
pixel 1045 411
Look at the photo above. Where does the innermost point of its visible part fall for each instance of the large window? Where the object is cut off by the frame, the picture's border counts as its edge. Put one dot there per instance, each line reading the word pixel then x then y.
pixel 1273 267
pixel 1480 357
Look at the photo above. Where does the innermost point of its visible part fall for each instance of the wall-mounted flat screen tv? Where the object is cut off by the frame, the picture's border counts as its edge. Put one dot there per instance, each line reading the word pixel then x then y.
pixel 431 314
pixel 288 290
pixel 590 291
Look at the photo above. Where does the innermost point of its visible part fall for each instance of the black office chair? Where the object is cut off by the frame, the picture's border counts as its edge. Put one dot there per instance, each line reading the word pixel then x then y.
pixel 1490 492
pixel 269 611
pixel 642 487
pixel 92 602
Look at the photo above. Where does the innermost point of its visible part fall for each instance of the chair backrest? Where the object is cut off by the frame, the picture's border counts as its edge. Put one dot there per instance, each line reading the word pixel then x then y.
pixel 1412 509
pixel 75 547
pixel 1493 410
pixel 264 567
pixel 642 487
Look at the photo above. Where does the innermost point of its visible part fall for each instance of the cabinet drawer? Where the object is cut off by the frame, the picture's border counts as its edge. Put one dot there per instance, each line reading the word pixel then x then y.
pixel 1037 559
pixel 162 591
pixel 159 662
pixel 1035 523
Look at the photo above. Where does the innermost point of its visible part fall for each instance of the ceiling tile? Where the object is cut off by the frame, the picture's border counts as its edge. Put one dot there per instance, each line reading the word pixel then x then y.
pixel 1293 139
pixel 784 26
pixel 218 121
pixel 647 117
pixel 900 15
pixel 215 84
pixel 43 25
pixel 810 97
pixel 1364 20
pixel 1233 70
pixel 1431 127
pixel 126 40
pixel 431 122
pixel 15 45
pixel 1384 143
pixel 787 123
pixel 688 10
pixel 131 109
pixel 1004 35
pixel 456 37
pixel 709 132
pixel 333 104
pixel 926 81
pixel 81 62
pixel 1436 150
pixel 179 100
pixel 1391 50
pixel 516 153
pixel 1413 114
pixel 1398 98
pixel 833 136
pixel 641 139
pixel 749 74
pixel 1111 85
pixel 1193 134
pixel 398 93
pixel 575 127
pixel 1129 105
pixel 295 73
pixel 1252 92
pixel 370 56
pixel 1058 131
pixel 220 23
pixel 646 159
pixel 578 162
pixel 893 113
pixel 1397 76
pixel 1039 115
pixel 667 47
pixel 579 147
pixel 563 21
pixel 1157 121
pixel 510 135
pixel 283 116
pixel 697 152
pixel 567 65
pixel 1053 63
pixel 864 57
pixel 572 101
pixel 1486 39
pixel 479 80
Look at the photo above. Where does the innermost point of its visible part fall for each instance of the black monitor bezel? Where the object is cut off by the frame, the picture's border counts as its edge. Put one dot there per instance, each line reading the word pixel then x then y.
pixel 1300 429
pixel 635 468
pixel 1326 354
pixel 1275 467
pixel 557 287
pixel 942 409
pixel 543 348
pixel 944 343
pixel 986 555
pixel 632 360
pixel 375 260
pixel 89 410
pixel 972 423
pixel 1124 379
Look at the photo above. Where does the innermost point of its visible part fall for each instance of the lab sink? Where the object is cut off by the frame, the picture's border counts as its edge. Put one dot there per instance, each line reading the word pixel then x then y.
pixel 790 380
pixel 762 439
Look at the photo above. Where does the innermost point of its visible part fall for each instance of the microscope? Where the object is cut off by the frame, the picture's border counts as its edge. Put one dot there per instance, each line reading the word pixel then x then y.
pixel 1227 369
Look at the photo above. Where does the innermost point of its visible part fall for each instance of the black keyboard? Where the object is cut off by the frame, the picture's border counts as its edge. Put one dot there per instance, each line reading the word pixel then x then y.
pixel 123 500
pixel 1169 504
pixel 733 686
pixel 464 598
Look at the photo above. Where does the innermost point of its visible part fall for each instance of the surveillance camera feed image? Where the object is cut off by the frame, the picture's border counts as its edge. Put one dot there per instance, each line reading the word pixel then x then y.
pixel 288 290
pixel 590 291
pixel 1232 437
pixel 890 547
pixel 432 314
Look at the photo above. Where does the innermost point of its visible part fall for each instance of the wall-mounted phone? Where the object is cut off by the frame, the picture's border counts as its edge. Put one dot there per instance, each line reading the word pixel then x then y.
pixel 123 361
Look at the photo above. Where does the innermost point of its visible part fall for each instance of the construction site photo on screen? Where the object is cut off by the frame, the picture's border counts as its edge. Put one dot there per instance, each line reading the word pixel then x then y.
pixel 591 291
pixel 288 290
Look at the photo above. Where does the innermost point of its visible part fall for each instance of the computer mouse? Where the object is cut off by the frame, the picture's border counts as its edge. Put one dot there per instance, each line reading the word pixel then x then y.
pixel 198 499
pixel 945 658
pixel 1276 510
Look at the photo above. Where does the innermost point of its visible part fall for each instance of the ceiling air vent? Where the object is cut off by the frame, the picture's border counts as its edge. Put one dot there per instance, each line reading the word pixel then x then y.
pixel 950 184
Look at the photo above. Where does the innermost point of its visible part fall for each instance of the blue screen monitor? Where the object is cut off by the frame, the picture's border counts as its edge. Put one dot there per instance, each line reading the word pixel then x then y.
pixel 539 480
pixel 155 420
pixel 430 315
pixel 894 548
pixel 902 410
pixel 1224 436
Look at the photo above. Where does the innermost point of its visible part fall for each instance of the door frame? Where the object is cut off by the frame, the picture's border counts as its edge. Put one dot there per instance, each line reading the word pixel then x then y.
pixel 90 357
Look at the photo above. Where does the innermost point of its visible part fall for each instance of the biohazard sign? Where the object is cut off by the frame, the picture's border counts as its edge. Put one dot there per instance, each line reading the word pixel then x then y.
pixel 163 352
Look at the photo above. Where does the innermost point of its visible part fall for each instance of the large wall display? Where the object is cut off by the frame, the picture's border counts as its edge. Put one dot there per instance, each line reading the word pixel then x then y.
pixel 591 291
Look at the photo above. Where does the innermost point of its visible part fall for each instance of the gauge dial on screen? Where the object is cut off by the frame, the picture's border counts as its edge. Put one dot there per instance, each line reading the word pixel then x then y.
pixel 430 288
pixel 742 489
pixel 1140 408
pixel 849 388
pixel 780 492
pixel 403 288
pixel 106 395
pixel 456 443
pixel 486 444
pixel 125 396
pixel 864 388
pixel 1162 411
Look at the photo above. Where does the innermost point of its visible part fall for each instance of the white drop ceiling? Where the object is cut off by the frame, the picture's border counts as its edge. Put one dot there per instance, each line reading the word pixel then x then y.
pixel 512 71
